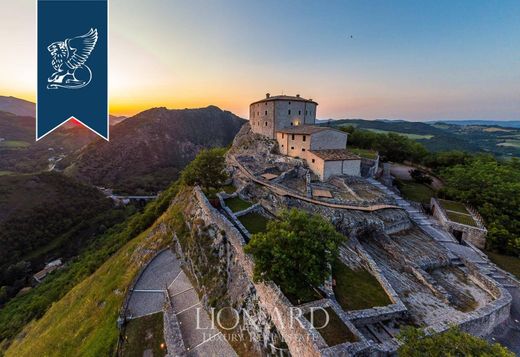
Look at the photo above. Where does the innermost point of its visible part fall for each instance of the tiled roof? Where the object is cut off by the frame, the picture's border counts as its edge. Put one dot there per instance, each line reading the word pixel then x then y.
pixel 335 155
pixel 285 97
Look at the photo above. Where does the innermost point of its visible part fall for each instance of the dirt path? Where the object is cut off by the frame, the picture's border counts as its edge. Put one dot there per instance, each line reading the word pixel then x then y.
pixel 402 172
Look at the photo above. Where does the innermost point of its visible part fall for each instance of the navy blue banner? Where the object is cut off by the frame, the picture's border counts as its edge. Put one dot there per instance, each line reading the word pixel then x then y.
pixel 72 65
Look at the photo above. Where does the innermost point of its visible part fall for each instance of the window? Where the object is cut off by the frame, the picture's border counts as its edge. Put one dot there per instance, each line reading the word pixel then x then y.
pixel 289 103
pixel 304 137
pixel 289 112
pixel 283 136
pixel 306 112
pixel 292 147
pixel 282 145
pixel 291 123
pixel 292 137
pixel 266 112
pixel 303 149
pixel 313 161
pixel 265 123
pixel 299 112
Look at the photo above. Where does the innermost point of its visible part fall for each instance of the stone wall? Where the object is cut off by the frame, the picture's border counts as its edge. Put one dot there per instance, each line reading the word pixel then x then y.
pixel 395 310
pixel 474 235
pixel 328 139
pixel 482 321
pixel 299 336
pixel 369 167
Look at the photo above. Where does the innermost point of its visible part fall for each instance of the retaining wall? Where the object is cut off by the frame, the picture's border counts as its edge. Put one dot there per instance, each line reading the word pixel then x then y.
pixel 301 338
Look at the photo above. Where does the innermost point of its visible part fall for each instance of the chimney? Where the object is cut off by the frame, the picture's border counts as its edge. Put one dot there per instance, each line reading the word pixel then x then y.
pixel 297 96
pixel 267 95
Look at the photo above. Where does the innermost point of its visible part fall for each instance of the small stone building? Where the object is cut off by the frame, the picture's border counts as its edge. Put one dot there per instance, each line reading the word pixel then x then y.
pixel 333 162
pixel 290 120
pixel 460 220
pixel 298 140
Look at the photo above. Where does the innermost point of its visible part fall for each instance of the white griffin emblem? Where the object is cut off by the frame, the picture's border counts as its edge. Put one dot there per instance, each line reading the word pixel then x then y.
pixel 68 60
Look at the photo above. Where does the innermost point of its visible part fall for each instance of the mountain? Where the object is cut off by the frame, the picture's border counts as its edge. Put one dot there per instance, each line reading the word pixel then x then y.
pixel 146 152
pixel 20 152
pixel 114 120
pixel 17 106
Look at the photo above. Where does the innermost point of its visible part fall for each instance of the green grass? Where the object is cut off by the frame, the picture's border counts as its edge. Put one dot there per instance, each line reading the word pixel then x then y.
pixel 414 191
pixel 335 331
pixel 236 204
pixel 5 173
pixel 254 222
pixel 367 153
pixel 145 333
pixel 83 321
pixel 357 289
pixel 461 218
pixel 14 144
pixel 453 206
pixel 304 296
pixel 408 135
pixel 229 189
pixel 506 262
pixel 212 192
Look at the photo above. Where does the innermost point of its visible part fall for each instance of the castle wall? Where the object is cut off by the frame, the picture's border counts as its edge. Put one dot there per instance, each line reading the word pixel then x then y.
pixel 289 113
pixel 345 167
pixel 316 164
pixel 328 139
pixel 269 116
pixel 262 118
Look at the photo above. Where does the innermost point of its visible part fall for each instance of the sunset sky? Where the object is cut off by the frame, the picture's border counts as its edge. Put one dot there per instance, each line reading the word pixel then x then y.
pixel 414 60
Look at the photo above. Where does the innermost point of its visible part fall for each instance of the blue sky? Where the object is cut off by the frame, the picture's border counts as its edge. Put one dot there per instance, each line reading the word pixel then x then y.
pixel 415 60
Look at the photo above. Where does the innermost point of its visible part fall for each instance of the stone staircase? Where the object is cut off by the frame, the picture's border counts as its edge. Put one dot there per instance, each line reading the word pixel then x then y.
pixel 430 226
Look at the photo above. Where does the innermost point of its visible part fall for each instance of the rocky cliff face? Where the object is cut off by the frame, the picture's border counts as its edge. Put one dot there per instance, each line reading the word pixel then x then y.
pixel 211 263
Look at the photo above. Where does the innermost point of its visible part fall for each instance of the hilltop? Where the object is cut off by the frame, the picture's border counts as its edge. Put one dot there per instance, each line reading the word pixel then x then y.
pixel 148 150
pixel 17 106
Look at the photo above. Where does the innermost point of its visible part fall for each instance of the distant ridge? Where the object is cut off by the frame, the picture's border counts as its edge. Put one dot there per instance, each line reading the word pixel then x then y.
pixel 501 123
pixel 25 108
pixel 17 106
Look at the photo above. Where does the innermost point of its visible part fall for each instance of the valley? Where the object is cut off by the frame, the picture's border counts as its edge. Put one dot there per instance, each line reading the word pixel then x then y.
pixel 487 137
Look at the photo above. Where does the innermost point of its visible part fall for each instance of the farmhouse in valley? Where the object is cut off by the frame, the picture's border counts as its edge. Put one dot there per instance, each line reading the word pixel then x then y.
pixel 291 121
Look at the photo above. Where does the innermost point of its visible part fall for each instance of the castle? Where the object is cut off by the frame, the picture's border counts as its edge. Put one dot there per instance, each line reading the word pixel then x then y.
pixel 290 120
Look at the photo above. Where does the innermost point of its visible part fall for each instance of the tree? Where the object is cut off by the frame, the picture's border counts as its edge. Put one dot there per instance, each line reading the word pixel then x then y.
pixel 206 170
pixel 455 343
pixel 493 188
pixel 420 177
pixel 295 251
pixel 391 146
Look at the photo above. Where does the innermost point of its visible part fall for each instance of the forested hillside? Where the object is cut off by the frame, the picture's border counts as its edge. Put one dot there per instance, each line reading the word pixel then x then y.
pixel 43 217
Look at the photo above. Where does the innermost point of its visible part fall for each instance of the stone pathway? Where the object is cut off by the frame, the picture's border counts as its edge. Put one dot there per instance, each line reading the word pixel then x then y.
pixel 164 274
pixel 456 250
pixel 148 293
pixel 200 337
